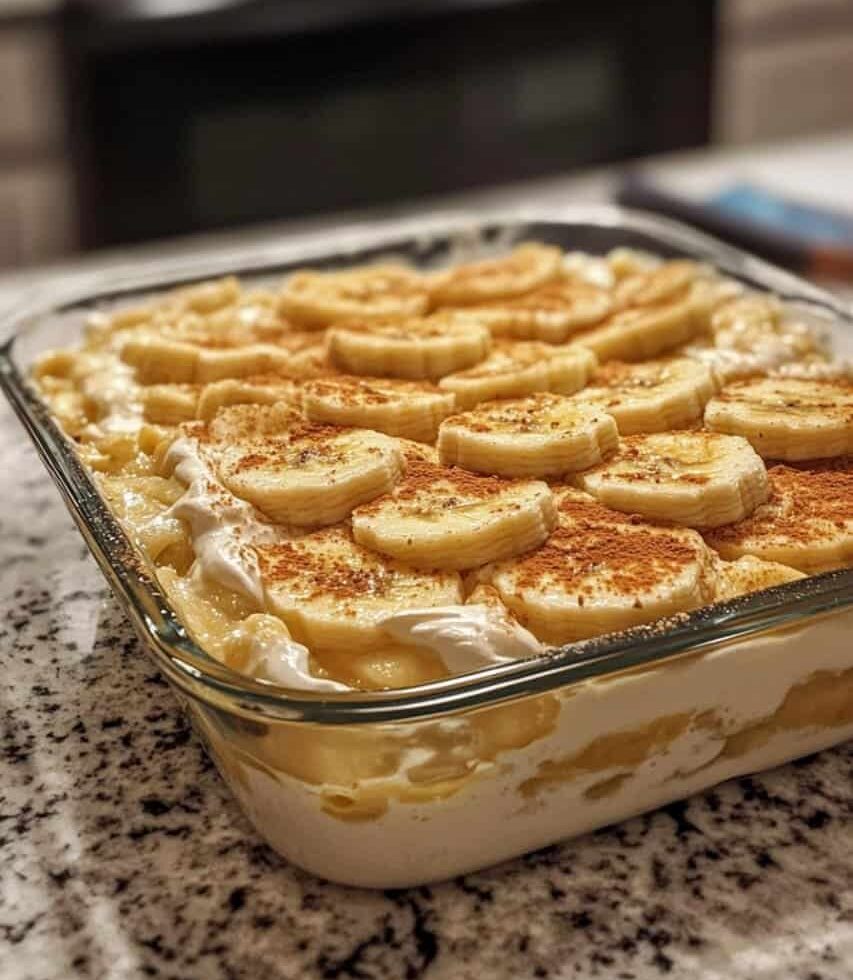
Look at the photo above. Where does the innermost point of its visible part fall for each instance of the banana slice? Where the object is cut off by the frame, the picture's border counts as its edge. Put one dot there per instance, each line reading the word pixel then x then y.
pixel 710 293
pixel 316 299
pixel 652 396
pixel 549 314
pixel 312 362
pixel 331 592
pixel 787 418
pixel 420 452
pixel 299 473
pixel 513 369
pixel 411 409
pixel 169 404
pixel 516 369
pixel 661 284
pixel 625 262
pixel 806 522
pixel 419 349
pixel 262 389
pixel 541 435
pixel 603 571
pixel 639 333
pixel 206 297
pixel 442 517
pixel 700 479
pixel 750 574
pixel 526 268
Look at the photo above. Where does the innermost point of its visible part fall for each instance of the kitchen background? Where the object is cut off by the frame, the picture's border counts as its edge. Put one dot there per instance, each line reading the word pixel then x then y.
pixel 131 120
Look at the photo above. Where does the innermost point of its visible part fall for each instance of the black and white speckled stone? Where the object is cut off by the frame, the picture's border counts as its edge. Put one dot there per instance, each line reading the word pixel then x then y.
pixel 122 854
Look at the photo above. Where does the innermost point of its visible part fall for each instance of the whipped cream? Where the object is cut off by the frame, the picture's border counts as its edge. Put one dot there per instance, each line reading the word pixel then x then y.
pixel 838 369
pixel 284 661
pixel 465 637
pixel 767 356
pixel 221 525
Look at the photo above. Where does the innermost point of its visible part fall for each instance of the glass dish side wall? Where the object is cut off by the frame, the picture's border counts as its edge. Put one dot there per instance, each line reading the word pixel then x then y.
pixel 413 802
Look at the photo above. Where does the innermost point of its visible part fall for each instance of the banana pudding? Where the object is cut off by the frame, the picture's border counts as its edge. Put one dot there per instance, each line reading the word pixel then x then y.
pixel 528 423
pixel 381 477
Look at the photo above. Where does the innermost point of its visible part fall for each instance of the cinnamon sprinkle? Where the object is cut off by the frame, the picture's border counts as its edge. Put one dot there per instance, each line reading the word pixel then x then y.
pixel 595 546
pixel 443 487
pixel 800 498
pixel 319 570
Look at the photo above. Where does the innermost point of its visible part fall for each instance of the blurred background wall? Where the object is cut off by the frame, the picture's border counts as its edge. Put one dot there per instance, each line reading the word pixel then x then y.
pixel 130 120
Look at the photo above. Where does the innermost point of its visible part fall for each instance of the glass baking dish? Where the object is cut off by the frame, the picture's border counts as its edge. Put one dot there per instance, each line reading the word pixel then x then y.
pixel 402 787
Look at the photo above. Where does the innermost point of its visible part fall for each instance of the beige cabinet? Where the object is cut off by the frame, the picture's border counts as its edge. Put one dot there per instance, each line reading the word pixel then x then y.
pixel 784 69
pixel 36 213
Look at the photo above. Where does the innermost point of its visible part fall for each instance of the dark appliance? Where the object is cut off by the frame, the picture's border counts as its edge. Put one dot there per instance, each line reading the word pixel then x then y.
pixel 254 111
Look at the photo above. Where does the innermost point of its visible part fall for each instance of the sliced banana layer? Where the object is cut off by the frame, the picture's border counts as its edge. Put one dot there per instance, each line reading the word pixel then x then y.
pixel 262 389
pixel 699 479
pixel 806 522
pixel 419 349
pixel 299 473
pixel 538 436
pixel 602 571
pixel 527 267
pixel 410 409
pixel 750 574
pixel 316 299
pixel 653 396
pixel 516 369
pixel 550 314
pixel 332 593
pixel 638 333
pixel 163 360
pixel 443 517
pixel 787 418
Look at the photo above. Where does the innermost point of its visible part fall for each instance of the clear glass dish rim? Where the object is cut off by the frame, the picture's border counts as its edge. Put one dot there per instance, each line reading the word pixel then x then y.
pixel 196 673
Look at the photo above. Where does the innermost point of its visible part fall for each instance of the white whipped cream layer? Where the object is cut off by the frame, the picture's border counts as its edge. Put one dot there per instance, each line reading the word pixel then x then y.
pixel 465 637
pixel 284 661
pixel 221 525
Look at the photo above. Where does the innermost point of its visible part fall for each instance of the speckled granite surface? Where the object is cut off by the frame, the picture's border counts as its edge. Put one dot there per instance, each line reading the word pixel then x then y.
pixel 122 855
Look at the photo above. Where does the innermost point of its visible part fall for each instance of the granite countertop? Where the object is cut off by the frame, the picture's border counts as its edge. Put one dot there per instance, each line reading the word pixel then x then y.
pixel 122 854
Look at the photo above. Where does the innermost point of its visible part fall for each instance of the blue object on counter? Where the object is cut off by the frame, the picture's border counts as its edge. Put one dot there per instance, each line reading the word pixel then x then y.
pixel 801 221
